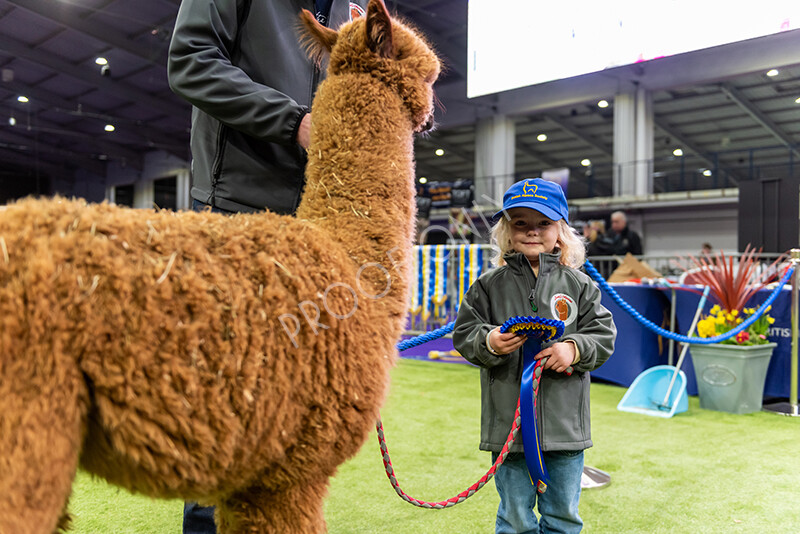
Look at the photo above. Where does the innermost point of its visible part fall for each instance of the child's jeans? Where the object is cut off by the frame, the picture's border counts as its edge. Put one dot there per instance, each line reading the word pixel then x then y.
pixel 558 506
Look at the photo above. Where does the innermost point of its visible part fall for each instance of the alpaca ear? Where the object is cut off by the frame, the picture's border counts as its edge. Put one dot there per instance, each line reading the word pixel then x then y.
pixel 379 29
pixel 317 39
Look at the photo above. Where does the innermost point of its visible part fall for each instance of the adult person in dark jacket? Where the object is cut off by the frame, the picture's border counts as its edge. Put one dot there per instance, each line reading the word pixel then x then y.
pixel 623 239
pixel 250 81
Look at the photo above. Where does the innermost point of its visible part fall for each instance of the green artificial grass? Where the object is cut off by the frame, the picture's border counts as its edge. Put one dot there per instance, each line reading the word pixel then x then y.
pixel 99 508
pixel 698 472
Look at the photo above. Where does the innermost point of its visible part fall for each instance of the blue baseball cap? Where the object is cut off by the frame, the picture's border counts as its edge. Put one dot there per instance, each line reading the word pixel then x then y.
pixel 541 195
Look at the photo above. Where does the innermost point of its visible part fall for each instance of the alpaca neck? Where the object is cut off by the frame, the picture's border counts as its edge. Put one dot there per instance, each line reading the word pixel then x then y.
pixel 360 175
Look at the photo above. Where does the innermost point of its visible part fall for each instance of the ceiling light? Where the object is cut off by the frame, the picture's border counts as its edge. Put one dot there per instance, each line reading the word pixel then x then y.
pixel 772 72
pixel 423 180
pixel 22 99
pixel 677 152
pixel 602 104
pixel 586 162
pixel 110 128
pixel 706 172
pixel 797 100
pixel 541 137
pixel 439 152
pixel 12 121
pixel 101 61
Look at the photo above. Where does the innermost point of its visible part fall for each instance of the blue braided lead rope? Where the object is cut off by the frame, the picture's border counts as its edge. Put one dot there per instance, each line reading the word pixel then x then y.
pixel 592 271
pixel 424 338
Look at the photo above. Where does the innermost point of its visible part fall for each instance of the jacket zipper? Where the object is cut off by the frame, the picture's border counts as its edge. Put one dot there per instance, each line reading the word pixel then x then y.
pixel 216 168
pixel 222 131
pixel 532 295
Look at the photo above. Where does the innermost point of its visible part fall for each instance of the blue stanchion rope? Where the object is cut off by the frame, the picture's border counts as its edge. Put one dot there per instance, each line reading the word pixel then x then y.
pixel 424 338
pixel 592 271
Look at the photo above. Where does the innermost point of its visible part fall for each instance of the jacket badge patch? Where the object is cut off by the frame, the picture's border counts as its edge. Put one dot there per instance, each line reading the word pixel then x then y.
pixel 564 308
pixel 356 11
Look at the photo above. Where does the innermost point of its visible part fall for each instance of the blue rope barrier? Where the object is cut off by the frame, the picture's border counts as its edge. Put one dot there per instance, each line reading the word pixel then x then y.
pixel 424 338
pixel 592 271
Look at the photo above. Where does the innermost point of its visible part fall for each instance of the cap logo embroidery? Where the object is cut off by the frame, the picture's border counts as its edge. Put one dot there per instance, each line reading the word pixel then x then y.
pixel 529 190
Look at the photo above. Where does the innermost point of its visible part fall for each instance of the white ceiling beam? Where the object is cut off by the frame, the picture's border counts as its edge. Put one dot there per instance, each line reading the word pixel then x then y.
pixel 588 139
pixel 757 115
pixel 538 155
pixel 703 66
pixel 696 149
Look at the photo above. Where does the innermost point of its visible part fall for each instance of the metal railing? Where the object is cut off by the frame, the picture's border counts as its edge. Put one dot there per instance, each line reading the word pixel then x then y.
pixel 690 172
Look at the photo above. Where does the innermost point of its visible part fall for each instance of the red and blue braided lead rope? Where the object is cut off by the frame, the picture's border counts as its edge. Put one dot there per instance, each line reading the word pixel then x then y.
pixel 532 326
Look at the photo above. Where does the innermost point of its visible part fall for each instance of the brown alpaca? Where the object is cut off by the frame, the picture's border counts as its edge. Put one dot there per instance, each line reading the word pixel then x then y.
pixel 234 361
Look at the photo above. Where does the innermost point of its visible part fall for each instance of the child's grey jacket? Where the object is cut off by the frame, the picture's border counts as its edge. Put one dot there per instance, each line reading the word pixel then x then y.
pixel 560 292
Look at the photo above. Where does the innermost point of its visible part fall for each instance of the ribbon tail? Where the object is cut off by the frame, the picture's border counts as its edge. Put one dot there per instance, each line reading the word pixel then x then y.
pixel 527 407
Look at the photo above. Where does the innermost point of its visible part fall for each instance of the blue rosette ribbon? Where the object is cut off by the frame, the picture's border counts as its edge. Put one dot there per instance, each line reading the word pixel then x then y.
pixel 538 329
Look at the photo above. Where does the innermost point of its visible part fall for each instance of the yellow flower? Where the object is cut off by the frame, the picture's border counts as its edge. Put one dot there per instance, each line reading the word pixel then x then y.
pixel 705 328
pixel 770 320
pixel 729 317
pixel 734 312
pixel 715 309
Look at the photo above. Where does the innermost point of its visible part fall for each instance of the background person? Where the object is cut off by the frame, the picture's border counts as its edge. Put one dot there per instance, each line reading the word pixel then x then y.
pixel 592 231
pixel 538 250
pixel 623 239
pixel 250 81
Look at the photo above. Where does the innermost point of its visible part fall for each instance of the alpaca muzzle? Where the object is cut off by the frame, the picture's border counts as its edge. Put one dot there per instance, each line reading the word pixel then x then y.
pixel 428 126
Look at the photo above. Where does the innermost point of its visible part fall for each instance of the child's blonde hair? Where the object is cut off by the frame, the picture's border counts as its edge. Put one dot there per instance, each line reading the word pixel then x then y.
pixel 572 245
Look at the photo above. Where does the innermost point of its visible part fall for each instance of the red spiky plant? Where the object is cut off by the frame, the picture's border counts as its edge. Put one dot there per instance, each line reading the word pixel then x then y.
pixel 732 286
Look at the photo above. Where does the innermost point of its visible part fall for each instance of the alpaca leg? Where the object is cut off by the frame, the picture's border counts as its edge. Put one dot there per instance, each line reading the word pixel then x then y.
pixel 298 509
pixel 40 439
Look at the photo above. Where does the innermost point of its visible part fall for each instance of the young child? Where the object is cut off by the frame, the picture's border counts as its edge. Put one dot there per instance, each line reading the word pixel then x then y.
pixel 537 274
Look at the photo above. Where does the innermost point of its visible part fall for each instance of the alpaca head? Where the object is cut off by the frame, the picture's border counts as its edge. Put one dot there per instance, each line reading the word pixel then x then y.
pixel 384 48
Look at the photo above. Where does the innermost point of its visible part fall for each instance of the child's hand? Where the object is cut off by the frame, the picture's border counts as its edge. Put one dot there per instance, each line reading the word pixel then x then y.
pixel 505 343
pixel 561 356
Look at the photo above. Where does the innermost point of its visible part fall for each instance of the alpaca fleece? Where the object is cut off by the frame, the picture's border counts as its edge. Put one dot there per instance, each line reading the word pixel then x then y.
pixel 232 360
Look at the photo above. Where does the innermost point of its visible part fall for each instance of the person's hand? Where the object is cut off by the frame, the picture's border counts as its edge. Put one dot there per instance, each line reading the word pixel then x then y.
pixel 304 131
pixel 505 343
pixel 561 356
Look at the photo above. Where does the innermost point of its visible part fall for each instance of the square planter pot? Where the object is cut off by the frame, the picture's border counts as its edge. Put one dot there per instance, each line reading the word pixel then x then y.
pixel 730 378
